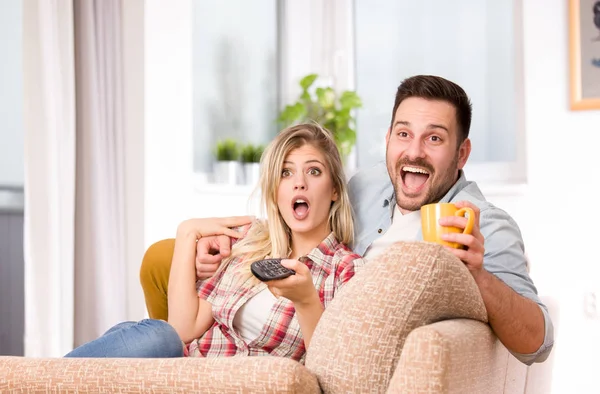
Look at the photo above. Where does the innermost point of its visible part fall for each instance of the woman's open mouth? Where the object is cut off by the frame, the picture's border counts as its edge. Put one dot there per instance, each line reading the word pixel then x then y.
pixel 300 207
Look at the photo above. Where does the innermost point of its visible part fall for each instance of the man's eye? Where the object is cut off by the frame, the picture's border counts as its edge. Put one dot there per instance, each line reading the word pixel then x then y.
pixel 402 134
pixel 435 138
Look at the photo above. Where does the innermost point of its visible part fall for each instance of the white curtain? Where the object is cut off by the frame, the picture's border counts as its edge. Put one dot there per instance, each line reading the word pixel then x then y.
pixel 74 193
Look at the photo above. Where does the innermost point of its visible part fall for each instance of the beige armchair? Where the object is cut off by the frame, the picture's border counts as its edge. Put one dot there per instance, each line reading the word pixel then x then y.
pixel 412 321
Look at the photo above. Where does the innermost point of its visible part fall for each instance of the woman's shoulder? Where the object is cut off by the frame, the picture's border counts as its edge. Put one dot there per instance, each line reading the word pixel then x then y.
pixel 345 255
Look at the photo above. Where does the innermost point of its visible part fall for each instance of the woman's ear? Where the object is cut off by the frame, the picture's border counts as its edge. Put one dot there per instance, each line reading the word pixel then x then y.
pixel 335 195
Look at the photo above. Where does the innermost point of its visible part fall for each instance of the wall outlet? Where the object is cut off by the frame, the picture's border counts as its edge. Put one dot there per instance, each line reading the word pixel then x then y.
pixel 591 306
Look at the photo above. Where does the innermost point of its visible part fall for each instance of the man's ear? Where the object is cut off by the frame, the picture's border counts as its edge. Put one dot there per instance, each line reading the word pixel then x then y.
pixel 387 136
pixel 463 153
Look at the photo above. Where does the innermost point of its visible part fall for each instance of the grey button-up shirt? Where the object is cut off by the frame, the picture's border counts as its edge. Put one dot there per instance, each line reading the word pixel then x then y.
pixel 372 197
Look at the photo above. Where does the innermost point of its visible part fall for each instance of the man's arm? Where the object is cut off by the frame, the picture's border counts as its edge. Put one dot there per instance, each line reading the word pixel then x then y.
pixel 515 312
pixel 517 321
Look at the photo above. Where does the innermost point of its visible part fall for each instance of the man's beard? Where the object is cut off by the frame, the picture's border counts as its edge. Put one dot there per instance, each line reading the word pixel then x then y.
pixel 438 185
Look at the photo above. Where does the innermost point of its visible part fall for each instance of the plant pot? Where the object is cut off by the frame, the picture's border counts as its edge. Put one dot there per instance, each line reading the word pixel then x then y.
pixel 227 172
pixel 251 173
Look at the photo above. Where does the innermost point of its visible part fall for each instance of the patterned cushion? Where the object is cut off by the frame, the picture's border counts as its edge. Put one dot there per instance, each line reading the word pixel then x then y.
pixel 442 358
pixel 175 375
pixel 358 341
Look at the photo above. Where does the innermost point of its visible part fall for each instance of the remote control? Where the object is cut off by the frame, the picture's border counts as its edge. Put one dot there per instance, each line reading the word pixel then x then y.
pixel 270 269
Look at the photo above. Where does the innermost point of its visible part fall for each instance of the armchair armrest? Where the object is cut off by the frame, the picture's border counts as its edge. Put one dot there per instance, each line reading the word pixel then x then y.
pixel 456 356
pixel 165 375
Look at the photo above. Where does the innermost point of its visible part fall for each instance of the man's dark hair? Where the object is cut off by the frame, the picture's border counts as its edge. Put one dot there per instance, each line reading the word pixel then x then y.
pixel 431 87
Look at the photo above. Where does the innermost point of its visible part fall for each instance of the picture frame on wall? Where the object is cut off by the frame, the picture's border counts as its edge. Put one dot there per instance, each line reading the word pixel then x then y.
pixel 584 53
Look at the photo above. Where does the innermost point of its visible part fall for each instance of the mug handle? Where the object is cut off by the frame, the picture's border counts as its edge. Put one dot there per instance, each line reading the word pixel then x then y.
pixel 470 218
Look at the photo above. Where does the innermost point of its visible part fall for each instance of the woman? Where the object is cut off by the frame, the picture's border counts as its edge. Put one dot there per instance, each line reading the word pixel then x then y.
pixel 309 224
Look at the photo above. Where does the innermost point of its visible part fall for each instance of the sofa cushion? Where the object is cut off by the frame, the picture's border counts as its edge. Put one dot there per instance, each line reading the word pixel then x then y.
pixel 174 375
pixel 442 358
pixel 358 341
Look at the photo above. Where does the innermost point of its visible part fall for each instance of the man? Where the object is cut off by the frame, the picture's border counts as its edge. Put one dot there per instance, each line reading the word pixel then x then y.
pixel 427 146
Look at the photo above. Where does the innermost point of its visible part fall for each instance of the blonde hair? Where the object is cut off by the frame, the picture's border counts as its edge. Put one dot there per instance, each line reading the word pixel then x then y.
pixel 273 237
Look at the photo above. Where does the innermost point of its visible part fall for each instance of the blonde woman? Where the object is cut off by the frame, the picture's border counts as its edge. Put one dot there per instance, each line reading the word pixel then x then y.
pixel 309 224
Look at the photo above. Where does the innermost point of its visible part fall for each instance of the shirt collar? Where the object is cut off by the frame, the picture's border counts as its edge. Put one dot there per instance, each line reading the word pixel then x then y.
pixel 457 187
pixel 323 251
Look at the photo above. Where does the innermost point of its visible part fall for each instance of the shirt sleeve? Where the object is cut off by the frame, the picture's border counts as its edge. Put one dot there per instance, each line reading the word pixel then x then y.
pixel 346 270
pixel 505 258
pixel 206 288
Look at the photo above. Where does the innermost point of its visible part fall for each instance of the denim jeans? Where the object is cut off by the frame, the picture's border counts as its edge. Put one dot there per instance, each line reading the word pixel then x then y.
pixel 145 339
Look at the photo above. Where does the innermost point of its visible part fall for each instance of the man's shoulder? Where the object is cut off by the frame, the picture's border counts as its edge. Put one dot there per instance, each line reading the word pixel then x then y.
pixel 496 225
pixel 371 182
pixel 471 192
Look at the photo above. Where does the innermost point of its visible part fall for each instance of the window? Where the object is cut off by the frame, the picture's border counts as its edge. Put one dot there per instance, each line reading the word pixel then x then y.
pixel 473 43
pixel 235 74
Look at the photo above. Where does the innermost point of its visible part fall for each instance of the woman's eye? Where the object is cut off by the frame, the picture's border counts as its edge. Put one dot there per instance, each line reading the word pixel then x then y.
pixel 314 171
pixel 285 173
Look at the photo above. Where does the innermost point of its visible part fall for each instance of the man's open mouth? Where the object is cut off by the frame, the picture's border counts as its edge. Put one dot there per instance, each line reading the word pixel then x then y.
pixel 414 177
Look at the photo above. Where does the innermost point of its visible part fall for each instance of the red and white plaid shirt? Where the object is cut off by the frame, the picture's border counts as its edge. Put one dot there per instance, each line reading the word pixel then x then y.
pixel 331 264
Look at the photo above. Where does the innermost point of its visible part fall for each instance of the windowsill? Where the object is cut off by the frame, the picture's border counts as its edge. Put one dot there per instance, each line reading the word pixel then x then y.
pixel 203 185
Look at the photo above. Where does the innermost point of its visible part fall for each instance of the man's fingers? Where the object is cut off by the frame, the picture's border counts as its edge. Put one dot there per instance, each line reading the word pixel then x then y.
pixel 204 245
pixel 464 239
pixel 224 245
pixel 208 259
pixel 453 221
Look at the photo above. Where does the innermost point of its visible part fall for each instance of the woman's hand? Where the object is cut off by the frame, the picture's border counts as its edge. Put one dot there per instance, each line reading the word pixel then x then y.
pixel 199 228
pixel 297 288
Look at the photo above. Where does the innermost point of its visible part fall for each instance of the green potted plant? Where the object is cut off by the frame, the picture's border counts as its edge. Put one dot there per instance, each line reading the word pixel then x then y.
pixel 227 167
pixel 330 110
pixel 250 156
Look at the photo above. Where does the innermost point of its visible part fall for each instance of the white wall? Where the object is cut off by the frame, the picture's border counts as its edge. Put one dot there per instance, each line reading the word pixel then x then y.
pixel 11 94
pixel 168 140
pixel 562 156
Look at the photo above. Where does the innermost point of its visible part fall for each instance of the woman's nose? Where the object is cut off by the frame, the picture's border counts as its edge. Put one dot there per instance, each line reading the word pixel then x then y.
pixel 299 183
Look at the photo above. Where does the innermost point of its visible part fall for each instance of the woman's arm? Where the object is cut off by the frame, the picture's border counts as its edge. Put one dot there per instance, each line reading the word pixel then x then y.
pixel 309 313
pixel 188 314
pixel 301 291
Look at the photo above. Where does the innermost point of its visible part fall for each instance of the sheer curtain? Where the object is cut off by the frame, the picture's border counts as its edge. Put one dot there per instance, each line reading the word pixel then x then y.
pixel 74 193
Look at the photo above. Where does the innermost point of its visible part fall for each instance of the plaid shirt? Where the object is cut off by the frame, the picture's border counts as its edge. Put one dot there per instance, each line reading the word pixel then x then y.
pixel 331 264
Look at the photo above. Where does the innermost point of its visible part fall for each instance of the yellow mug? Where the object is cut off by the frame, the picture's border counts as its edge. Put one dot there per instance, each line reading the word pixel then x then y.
pixel 432 230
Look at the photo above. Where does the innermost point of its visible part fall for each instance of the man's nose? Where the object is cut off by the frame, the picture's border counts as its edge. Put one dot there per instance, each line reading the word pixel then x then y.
pixel 415 149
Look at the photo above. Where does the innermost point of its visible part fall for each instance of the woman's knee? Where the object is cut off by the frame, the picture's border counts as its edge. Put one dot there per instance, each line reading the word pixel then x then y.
pixel 161 338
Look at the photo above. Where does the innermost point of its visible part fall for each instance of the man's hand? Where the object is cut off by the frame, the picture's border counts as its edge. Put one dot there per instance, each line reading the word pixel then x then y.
pixel 472 255
pixel 211 250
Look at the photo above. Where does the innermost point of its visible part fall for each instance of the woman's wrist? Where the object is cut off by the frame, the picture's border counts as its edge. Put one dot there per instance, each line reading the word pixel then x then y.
pixel 309 302
pixel 186 232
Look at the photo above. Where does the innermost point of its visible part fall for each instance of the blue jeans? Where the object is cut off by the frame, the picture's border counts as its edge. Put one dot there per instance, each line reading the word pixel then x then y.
pixel 145 339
